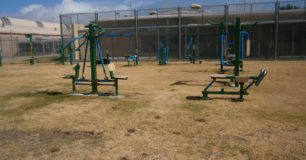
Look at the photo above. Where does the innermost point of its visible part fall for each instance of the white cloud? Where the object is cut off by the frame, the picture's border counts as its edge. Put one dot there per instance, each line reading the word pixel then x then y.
pixel 44 13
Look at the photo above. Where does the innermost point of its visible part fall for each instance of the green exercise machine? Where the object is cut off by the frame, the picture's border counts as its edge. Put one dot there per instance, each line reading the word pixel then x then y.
pixel 91 37
pixel 31 48
pixel 192 50
pixel 241 80
pixel 133 57
pixel 236 60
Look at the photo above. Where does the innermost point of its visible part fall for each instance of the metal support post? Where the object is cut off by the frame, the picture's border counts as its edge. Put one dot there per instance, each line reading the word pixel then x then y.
pixel 96 17
pixel 93 60
pixel 117 87
pixel 43 45
pixel 31 48
pixel 136 30
pixel 276 30
pixel 238 49
pixel 180 33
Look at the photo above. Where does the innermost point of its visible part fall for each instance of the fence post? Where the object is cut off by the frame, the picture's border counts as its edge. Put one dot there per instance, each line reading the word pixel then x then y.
pixel 12 49
pixel 180 37
pixel 226 16
pixel 53 47
pixel 136 31
pixel 276 30
pixel 292 40
pixel 62 37
pixel 43 45
pixel 96 17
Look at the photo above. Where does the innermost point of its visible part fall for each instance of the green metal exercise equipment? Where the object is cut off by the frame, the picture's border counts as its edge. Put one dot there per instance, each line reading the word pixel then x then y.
pixel 239 79
pixel 133 57
pixel 237 59
pixel 192 50
pixel 163 53
pixel 31 48
pixel 70 50
pixel 92 36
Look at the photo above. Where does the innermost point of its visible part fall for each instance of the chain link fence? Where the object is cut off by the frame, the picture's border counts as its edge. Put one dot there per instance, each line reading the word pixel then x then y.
pixel 17 48
pixel 279 33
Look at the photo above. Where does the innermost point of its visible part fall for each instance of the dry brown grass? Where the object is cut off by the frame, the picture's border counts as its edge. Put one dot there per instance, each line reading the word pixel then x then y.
pixel 154 119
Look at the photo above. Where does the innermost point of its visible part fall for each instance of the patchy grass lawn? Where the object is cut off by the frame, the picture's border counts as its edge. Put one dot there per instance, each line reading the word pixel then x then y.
pixel 160 115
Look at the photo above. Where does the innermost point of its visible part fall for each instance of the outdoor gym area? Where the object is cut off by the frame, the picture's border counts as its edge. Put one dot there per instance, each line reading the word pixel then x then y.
pixel 156 115
pixel 171 83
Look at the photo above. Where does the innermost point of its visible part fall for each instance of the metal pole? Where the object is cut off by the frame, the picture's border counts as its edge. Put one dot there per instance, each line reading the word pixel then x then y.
pixel 53 47
pixel 43 45
pixel 12 49
pixel 276 30
pixel 226 17
pixel 61 26
pixel 186 40
pixel 198 41
pixel 304 9
pixel 238 49
pixel 136 31
pixel 96 17
pixel 62 37
pixel 180 38
pixel 292 41
pixel 93 58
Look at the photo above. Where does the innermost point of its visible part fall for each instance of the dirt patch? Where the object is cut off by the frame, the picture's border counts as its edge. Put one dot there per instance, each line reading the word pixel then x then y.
pixel 181 82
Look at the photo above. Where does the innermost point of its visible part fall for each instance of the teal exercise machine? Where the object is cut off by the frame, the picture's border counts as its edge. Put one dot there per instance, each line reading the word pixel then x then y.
pixel 163 53
pixel 192 50
pixel 92 36
pixel 242 46
pixel 133 57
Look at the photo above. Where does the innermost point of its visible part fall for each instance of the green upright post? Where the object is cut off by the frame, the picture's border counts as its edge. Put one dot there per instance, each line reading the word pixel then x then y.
pixel 116 86
pixel 241 92
pixel 238 49
pixel 91 38
pixel 31 49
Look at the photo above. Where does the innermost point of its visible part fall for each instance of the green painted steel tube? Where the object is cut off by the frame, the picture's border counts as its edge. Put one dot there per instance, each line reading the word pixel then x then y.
pixel 73 85
pixel 31 48
pixel 0 60
pixel 117 87
pixel 77 70
pixel 71 54
pixel 93 58
pixel 112 74
pixel 238 49
pixel 224 92
pixel 241 92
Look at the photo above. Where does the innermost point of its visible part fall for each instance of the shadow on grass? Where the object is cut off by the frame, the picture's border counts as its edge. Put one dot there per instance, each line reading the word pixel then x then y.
pixel 37 100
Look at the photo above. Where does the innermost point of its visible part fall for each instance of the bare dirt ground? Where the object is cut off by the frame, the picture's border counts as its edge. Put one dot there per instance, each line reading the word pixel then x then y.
pixel 160 114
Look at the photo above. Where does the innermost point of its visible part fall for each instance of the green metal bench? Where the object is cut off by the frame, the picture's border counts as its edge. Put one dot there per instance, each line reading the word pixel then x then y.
pixel 239 79
pixel 113 81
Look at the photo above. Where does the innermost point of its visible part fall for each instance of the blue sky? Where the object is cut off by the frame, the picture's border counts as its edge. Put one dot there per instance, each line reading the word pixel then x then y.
pixel 48 10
